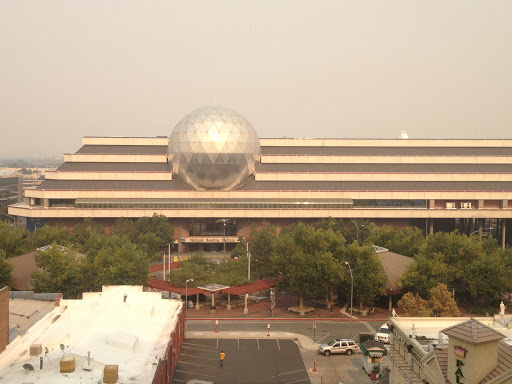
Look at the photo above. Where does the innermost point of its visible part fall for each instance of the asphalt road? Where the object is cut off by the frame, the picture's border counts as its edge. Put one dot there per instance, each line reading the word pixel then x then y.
pixel 262 360
pixel 320 331
pixel 254 361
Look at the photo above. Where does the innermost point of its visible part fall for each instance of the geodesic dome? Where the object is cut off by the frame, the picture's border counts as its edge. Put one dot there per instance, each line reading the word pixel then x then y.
pixel 213 148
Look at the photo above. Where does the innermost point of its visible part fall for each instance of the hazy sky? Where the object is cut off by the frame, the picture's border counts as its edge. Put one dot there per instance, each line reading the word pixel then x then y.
pixel 437 69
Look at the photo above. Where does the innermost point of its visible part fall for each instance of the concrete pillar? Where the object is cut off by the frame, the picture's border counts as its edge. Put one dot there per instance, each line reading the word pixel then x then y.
pixel 46 203
pixel 504 204
pixel 390 302
pixel 480 204
pixel 432 204
pixel 197 301
pixel 229 301
pixel 431 226
pixel 503 232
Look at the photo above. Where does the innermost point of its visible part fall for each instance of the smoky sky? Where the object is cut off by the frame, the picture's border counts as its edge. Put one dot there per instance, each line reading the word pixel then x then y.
pixel 344 69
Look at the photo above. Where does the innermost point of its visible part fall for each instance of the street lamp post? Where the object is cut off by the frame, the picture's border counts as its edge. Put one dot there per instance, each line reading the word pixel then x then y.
pixel 351 296
pixel 248 262
pixel 224 248
pixel 186 304
pixel 357 233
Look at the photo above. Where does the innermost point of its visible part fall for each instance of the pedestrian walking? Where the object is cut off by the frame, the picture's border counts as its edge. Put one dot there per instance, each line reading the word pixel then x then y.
pixel 222 355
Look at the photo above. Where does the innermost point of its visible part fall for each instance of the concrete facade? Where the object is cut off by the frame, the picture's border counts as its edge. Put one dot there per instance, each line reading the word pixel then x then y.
pixel 433 184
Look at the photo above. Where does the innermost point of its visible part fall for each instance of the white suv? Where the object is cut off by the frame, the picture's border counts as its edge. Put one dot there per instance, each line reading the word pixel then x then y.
pixel 347 346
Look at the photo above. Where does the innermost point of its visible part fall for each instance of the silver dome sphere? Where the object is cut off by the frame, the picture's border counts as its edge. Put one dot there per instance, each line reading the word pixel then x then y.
pixel 213 148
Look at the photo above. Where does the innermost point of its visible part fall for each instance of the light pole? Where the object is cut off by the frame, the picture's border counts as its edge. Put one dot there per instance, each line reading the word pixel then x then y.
pixel 224 251
pixel 351 296
pixel 186 304
pixel 248 262
pixel 357 232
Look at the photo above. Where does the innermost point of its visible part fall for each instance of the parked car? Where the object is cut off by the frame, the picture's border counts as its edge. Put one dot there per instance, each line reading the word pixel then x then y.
pixel 382 334
pixel 347 346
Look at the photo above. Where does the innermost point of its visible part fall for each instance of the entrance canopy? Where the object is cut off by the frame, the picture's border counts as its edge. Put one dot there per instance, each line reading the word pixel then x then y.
pixel 260 285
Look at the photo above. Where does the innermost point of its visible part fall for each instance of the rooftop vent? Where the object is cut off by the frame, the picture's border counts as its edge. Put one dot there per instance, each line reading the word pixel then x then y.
pixel 403 135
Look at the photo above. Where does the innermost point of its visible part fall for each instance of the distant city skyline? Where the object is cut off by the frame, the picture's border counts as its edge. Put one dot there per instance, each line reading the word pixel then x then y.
pixel 340 69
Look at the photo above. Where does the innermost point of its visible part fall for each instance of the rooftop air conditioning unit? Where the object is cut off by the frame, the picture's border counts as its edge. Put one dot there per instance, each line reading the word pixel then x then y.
pixel 450 206
pixel 465 205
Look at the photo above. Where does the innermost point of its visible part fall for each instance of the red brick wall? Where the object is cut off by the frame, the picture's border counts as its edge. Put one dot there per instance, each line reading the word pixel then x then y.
pixel 4 318
pixel 165 369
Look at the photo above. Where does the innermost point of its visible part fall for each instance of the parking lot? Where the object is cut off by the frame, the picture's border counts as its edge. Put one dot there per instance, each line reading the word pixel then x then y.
pixel 247 361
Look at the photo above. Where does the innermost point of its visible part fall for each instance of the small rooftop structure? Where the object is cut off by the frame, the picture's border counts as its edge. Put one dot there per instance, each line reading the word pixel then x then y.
pixel 122 325
pixel 473 331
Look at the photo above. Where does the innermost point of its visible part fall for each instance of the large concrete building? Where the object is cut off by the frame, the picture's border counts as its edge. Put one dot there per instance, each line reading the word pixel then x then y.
pixel 214 178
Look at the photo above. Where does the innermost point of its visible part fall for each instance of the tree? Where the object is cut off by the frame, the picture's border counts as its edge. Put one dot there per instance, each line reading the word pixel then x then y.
pixel 414 306
pixel 59 271
pixel 240 250
pixel 5 270
pixel 120 262
pixel 261 245
pixel 425 273
pixel 12 240
pixel 82 231
pixel 442 303
pixel 47 235
pixel 443 258
pixel 303 256
pixel 487 277
pixel 369 276
pixel 351 230
pixel 405 241
pixel 151 233
pixel 125 227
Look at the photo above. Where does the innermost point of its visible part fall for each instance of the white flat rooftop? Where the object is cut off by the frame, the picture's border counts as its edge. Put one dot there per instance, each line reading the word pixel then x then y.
pixel 138 330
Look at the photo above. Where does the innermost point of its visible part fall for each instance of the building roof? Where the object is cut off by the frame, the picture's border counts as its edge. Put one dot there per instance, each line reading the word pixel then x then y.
pixel 473 331
pixel 381 168
pixel 441 355
pixel 504 362
pixel 23 266
pixel 123 149
pixel 387 151
pixel 252 185
pixel 395 265
pixel 27 311
pixel 133 335
pixel 113 167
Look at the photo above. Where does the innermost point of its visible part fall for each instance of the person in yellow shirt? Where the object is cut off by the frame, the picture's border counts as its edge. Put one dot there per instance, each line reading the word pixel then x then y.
pixel 222 355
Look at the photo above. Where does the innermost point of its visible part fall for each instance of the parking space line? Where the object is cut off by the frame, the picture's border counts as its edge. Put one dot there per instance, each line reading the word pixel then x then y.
pixel 258 341
pixel 202 357
pixel 326 336
pixel 199 345
pixel 278 346
pixel 298 381
pixel 197 349
pixel 198 365
pixel 238 341
pixel 289 373
pixel 194 373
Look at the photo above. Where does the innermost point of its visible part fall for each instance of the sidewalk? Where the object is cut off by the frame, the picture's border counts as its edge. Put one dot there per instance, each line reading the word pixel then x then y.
pixel 261 310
